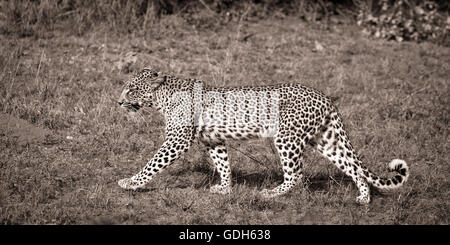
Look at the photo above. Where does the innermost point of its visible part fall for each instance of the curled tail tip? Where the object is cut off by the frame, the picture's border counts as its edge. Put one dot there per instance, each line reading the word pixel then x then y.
pixel 396 164
pixel 400 166
pixel 402 173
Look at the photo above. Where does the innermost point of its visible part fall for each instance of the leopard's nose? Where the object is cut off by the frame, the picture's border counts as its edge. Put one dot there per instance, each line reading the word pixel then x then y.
pixel 120 103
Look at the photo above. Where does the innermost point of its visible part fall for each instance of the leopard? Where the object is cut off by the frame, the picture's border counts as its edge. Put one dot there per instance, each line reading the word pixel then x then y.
pixel 292 116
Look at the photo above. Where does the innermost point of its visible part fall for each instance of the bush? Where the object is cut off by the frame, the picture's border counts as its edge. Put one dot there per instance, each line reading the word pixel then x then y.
pixel 400 20
pixel 404 20
pixel 32 18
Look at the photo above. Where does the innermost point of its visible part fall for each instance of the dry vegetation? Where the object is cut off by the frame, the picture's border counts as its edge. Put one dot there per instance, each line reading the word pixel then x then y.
pixel 64 142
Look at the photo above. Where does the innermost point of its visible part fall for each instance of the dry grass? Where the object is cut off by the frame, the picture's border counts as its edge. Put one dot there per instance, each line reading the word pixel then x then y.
pixel 393 97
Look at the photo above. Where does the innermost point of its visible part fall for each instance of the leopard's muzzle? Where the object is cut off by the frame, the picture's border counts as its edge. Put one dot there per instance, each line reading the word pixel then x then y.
pixel 133 107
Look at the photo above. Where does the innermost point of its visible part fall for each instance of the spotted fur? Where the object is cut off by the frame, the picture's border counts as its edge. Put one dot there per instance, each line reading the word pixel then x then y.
pixel 293 115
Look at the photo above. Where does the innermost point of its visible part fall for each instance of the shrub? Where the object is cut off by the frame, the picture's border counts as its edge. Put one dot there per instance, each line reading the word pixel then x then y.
pixel 400 20
pixel 404 20
pixel 32 18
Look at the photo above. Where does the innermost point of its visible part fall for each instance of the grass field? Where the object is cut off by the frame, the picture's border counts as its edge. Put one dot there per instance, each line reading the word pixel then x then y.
pixel 64 141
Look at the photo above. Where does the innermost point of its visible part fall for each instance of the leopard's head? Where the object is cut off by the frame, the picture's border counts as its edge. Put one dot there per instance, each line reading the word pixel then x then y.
pixel 139 90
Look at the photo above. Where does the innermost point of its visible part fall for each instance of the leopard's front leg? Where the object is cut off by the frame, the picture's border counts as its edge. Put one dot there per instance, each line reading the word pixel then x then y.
pixel 219 156
pixel 170 150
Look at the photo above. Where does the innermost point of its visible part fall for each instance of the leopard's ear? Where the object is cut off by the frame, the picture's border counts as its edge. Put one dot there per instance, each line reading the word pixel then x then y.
pixel 159 80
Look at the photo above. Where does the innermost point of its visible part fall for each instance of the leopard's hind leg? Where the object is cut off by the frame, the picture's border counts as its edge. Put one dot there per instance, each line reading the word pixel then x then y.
pixel 333 143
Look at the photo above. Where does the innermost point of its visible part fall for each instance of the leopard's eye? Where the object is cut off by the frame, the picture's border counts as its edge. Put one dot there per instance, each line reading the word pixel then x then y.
pixel 133 92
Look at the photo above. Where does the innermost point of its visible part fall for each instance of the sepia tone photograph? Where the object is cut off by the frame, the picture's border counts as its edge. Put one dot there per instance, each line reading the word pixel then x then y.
pixel 224 112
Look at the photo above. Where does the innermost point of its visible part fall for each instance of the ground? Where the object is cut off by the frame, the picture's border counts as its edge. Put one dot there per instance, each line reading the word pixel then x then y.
pixel 64 141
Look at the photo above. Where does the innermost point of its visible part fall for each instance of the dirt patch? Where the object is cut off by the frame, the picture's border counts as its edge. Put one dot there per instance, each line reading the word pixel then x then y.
pixel 21 131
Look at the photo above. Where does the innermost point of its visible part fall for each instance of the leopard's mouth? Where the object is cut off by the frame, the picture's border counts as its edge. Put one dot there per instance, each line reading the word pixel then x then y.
pixel 132 107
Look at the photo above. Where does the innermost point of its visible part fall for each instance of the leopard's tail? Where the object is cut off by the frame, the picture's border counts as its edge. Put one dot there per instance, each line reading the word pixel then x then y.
pixel 334 144
pixel 398 166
